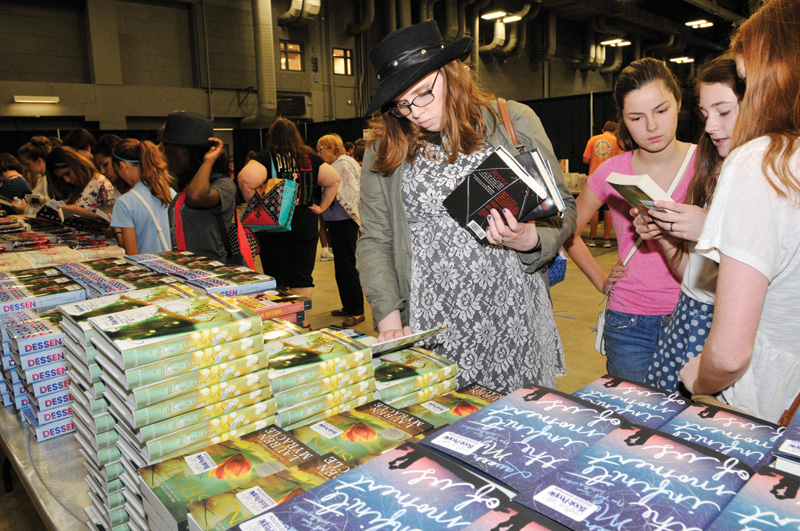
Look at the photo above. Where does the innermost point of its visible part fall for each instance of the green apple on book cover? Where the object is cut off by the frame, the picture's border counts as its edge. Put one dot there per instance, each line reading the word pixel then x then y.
pixel 223 511
pixel 404 371
pixel 296 412
pixel 151 333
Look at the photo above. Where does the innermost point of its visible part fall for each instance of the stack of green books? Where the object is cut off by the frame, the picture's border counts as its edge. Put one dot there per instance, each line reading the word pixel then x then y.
pixel 318 374
pixel 109 485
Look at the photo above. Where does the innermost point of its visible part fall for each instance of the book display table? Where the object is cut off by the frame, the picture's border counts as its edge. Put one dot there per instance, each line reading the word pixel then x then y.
pixel 50 471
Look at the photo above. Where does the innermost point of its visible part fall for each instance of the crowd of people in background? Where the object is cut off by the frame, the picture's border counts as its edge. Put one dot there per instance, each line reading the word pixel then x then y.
pixel 701 300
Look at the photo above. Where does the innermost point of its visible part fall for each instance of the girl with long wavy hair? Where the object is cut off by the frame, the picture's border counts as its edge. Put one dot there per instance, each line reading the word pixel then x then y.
pixel 418 266
pixel 753 228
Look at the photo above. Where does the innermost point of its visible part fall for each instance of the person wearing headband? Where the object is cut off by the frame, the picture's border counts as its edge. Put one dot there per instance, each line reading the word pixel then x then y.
pixel 418 267
pixel 141 215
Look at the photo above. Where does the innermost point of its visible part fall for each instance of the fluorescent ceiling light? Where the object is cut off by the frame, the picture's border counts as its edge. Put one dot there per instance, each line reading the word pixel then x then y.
pixel 610 42
pixel 36 99
pixel 223 129
pixel 701 23
pixel 621 44
pixel 493 15
pixel 512 18
pixel 682 60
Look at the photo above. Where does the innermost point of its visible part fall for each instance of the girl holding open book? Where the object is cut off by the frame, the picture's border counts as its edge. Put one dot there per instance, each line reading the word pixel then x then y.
pixel 644 289
pixel 719 91
pixel 141 214
pixel 418 266
pixel 753 228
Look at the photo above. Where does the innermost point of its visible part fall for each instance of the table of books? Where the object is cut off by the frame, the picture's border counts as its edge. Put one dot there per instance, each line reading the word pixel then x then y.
pixel 50 471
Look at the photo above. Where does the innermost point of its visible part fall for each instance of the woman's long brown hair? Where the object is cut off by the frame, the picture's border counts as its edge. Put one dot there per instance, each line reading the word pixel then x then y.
pixel 152 166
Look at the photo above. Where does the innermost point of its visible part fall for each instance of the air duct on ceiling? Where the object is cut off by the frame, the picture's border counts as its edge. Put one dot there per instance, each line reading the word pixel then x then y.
pixel 462 17
pixel 498 40
pixel 366 23
pixel 511 44
pixel 291 15
pixel 267 91
pixel 451 20
pixel 614 66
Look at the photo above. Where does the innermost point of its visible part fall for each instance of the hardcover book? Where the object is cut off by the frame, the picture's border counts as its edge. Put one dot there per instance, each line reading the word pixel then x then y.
pixel 295 413
pixel 512 516
pixel 378 349
pixel 738 435
pixel 402 372
pixel 767 502
pixel 407 487
pixel 334 410
pixel 638 478
pixel 48 431
pixel 425 394
pixel 325 385
pixel 76 315
pixel 152 333
pixel 359 434
pixel 446 409
pixel 637 402
pixel 36 297
pixel 223 511
pixel 639 191
pixel 170 485
pixel 240 282
pixel 310 357
pixel 32 336
pixel 535 430
pixel 499 182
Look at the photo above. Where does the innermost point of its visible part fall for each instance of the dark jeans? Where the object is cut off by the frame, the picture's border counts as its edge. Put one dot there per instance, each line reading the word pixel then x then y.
pixel 343 237
pixel 289 257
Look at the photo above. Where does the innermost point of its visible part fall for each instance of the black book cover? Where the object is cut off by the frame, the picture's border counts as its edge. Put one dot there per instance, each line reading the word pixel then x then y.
pixel 553 203
pixel 498 182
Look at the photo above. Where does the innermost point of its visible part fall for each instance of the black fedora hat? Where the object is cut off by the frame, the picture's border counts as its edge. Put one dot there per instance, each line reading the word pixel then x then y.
pixel 187 129
pixel 405 56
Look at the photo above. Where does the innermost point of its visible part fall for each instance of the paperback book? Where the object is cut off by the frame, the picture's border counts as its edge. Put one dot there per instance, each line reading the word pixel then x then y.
pixel 538 168
pixel 640 191
pixel 405 371
pixel 767 502
pixel 512 516
pixel 239 282
pixel 361 433
pixel 151 333
pixel 228 509
pixel 638 478
pixel 637 402
pixel 736 435
pixel 36 297
pixel 499 182
pixel 535 430
pixel 407 487
pixel 448 408
pixel 48 431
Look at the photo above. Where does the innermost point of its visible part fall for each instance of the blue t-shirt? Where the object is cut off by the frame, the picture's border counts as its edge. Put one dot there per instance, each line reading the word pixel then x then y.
pixel 130 212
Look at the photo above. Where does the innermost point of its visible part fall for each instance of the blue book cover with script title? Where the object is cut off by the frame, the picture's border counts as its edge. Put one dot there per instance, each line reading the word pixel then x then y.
pixel 734 434
pixel 525 435
pixel 639 478
pixel 408 487
pixel 769 501
pixel 514 517
pixel 637 402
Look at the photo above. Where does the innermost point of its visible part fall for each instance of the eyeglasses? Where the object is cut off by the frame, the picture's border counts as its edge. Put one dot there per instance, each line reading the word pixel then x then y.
pixel 420 100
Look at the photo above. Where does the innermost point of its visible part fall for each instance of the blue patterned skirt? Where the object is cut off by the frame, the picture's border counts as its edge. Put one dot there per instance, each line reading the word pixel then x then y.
pixel 683 339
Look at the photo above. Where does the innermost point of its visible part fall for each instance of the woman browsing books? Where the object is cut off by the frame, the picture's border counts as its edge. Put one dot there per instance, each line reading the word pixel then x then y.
pixel 73 179
pixel 644 291
pixel 418 267
pixel 142 213
pixel 753 228
pixel 719 91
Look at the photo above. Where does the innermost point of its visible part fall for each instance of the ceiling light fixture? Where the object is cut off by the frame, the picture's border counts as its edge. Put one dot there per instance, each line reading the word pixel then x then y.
pixel 512 18
pixel 610 42
pixel 36 99
pixel 702 23
pixel 493 15
pixel 682 60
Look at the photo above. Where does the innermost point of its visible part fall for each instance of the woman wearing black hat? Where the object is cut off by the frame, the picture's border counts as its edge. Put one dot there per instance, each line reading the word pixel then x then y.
pixel 418 267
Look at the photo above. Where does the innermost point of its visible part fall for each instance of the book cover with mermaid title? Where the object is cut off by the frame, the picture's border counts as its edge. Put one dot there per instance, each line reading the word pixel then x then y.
pixel 638 478
pixel 637 402
pixel 407 487
pixel 522 437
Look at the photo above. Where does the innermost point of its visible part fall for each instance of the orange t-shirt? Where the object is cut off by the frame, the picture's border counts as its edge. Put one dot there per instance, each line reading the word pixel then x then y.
pixel 599 149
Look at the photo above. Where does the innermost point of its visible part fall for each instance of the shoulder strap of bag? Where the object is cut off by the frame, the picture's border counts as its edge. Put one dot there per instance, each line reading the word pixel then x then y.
pixel 153 217
pixel 675 182
pixel 180 237
pixel 505 116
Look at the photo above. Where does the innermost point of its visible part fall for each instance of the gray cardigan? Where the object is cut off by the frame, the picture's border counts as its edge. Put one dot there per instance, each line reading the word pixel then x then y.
pixel 384 248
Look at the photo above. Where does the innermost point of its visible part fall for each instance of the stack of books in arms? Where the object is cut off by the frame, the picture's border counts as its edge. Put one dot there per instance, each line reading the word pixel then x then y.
pixel 319 374
pixel 207 276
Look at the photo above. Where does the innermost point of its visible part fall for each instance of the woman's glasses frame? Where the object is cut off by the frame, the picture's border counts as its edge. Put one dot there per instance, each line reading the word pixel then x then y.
pixel 423 99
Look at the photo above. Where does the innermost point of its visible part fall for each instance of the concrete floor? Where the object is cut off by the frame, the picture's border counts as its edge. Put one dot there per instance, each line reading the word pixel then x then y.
pixel 575 303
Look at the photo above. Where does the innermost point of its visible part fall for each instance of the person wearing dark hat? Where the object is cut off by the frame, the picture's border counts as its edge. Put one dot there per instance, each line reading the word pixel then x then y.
pixel 418 267
pixel 203 183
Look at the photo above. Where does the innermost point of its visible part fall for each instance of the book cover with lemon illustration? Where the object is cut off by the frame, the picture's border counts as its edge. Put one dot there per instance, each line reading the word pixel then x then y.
pixel 151 333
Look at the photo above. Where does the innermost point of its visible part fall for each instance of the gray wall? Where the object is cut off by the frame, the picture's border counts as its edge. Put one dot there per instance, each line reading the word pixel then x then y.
pixel 125 64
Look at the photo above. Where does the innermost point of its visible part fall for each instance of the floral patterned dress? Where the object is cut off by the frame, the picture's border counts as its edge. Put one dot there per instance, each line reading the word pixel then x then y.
pixel 96 194
pixel 500 325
